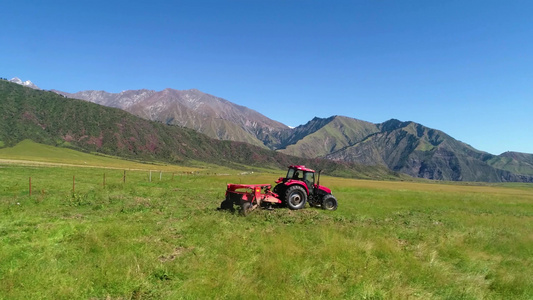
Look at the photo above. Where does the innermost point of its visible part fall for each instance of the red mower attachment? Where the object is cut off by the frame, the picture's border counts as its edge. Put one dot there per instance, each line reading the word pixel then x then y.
pixel 249 197
pixel 298 187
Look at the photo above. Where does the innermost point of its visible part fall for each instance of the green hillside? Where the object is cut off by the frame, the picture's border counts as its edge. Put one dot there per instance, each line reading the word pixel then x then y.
pixel 519 163
pixel 322 138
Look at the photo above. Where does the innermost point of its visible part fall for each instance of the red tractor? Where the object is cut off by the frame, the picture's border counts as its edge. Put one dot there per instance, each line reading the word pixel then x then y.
pixel 299 187
pixel 294 190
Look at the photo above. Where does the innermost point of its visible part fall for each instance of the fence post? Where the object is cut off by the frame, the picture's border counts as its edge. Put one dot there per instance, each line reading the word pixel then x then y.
pixel 160 175
pixel 150 176
pixel 73 183
pixel 124 178
pixel 104 180
pixel 30 186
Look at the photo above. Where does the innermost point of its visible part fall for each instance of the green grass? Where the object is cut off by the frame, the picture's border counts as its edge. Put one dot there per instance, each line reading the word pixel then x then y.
pixel 166 240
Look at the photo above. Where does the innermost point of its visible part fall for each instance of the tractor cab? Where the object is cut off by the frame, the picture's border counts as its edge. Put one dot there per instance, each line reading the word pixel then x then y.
pixel 302 174
pixel 304 177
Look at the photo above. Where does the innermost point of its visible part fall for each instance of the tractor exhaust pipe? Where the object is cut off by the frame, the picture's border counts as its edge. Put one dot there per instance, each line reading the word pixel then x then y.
pixel 318 180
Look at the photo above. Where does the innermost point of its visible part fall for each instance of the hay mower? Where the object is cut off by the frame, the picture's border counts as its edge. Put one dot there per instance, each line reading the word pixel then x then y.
pixel 294 190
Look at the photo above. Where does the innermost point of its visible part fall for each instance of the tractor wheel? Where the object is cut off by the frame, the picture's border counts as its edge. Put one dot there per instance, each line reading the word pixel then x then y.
pixel 329 202
pixel 246 208
pixel 295 197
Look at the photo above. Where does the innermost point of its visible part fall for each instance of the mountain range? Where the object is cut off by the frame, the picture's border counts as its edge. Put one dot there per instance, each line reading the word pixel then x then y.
pixel 48 118
pixel 405 147
pixel 210 115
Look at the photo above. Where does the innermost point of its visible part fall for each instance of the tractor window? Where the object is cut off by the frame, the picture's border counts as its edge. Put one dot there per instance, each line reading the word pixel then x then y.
pixel 309 177
pixel 290 174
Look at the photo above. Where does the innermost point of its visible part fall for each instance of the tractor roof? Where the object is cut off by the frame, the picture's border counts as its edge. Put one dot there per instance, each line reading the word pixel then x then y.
pixel 301 168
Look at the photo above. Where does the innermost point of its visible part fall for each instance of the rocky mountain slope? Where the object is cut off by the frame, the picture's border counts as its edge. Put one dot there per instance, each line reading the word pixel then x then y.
pixel 210 115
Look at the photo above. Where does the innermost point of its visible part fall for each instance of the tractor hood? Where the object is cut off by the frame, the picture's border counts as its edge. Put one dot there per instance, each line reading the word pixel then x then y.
pixel 324 189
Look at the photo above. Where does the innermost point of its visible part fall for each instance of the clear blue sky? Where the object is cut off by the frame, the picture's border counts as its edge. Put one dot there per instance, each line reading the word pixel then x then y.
pixel 463 67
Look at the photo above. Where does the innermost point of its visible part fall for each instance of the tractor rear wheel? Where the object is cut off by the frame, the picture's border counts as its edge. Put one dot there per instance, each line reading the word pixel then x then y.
pixel 329 202
pixel 295 197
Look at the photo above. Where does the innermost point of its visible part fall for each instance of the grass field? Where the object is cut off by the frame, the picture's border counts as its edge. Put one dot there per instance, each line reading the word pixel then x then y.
pixel 165 239
pixel 29 152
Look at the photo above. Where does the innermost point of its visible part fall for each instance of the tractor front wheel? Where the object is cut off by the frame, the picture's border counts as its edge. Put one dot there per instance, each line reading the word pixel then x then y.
pixel 329 202
pixel 295 197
